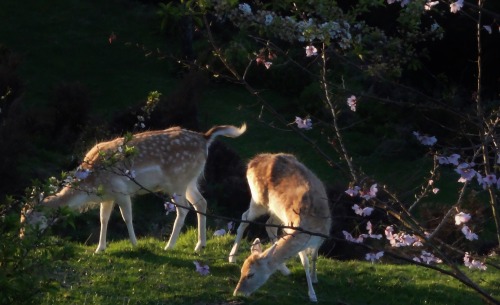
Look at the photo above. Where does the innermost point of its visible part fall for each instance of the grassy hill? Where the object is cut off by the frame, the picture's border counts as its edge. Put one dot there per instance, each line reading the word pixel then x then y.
pixel 149 275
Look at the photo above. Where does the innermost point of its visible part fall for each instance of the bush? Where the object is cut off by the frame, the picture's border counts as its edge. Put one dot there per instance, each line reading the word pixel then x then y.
pixel 26 268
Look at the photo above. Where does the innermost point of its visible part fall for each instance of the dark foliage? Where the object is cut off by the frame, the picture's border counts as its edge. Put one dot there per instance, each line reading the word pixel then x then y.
pixel 225 181
pixel 11 86
pixel 178 108
pixel 14 137
pixel 68 113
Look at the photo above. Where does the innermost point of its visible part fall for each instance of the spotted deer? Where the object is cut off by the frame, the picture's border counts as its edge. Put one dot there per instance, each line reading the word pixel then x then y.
pixel 169 161
pixel 287 190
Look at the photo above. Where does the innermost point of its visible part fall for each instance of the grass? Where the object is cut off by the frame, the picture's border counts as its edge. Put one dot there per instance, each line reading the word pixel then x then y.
pixel 147 274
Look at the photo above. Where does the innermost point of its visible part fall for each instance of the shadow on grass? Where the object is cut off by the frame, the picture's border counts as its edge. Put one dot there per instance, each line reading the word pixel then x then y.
pixel 172 258
pixel 368 285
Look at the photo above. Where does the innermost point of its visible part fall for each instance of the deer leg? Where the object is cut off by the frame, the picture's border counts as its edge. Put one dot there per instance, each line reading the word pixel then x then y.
pixel 125 205
pixel 199 203
pixel 105 212
pixel 305 263
pixel 314 258
pixel 181 205
pixel 272 232
pixel 251 214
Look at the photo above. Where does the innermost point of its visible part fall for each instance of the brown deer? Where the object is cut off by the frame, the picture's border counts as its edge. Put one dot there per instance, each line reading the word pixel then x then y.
pixel 287 190
pixel 169 161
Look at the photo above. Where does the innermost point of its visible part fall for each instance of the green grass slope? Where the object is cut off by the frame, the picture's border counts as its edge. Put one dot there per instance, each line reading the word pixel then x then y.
pixel 147 274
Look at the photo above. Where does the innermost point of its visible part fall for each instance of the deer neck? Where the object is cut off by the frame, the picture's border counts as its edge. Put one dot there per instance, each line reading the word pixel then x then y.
pixel 287 247
pixel 68 197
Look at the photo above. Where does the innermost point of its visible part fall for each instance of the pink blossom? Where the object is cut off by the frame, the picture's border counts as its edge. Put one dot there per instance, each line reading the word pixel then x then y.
pixel 418 243
pixel 468 233
pixel 456 6
pixel 407 239
pixel 351 102
pixel 169 207
pixel 354 191
pixel 461 218
pixel 374 256
pixel 130 174
pixel 442 159
pixel 487 180
pixel 112 37
pixel 466 171
pixel 367 211
pixel 361 237
pixel 452 159
pixel 82 174
pixel 403 2
pixel 473 263
pixel 303 123
pixel 428 6
pixel 311 51
pixel 427 258
pixel 369 227
pixel 372 193
pixel 219 232
pixel 487 28
pixel 435 190
pixel 425 140
pixel 261 59
pixel 401 239
pixel 349 237
pixel 388 232
pixel 201 269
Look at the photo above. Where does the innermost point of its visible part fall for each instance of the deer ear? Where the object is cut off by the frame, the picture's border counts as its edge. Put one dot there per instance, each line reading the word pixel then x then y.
pixel 256 246
pixel 269 252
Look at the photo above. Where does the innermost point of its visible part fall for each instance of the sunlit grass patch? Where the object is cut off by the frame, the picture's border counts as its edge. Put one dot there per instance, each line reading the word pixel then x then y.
pixel 147 274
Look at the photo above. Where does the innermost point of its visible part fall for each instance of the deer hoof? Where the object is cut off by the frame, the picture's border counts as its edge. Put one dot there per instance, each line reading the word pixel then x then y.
pixel 232 259
pixel 199 248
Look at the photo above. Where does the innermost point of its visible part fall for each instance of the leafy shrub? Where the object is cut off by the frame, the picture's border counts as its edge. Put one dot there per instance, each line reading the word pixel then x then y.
pixel 26 268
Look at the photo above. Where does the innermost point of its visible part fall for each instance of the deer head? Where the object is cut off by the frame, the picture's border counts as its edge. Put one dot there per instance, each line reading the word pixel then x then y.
pixel 256 269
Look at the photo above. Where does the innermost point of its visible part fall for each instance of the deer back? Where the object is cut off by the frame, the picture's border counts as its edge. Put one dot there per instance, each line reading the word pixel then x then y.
pixel 290 191
pixel 161 160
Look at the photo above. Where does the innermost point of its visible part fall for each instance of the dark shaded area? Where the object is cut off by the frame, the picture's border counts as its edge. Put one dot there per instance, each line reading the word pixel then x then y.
pixel 178 108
